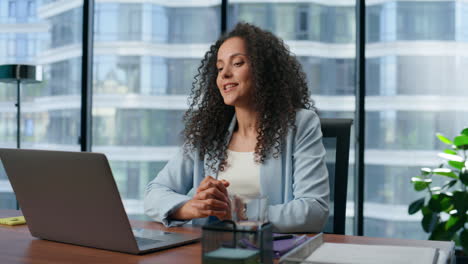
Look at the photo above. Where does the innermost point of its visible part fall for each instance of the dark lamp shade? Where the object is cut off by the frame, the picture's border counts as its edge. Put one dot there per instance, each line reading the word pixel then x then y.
pixel 24 73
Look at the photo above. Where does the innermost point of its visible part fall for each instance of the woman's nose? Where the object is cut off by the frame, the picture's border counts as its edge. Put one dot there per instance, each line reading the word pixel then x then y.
pixel 226 73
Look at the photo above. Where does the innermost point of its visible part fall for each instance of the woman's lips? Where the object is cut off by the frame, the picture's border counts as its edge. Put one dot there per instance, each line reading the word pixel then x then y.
pixel 229 87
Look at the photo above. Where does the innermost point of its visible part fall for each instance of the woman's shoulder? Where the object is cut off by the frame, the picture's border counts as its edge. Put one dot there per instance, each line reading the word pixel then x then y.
pixel 307 123
pixel 306 117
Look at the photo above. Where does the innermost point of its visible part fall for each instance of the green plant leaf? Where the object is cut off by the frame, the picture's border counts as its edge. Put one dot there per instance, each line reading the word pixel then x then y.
pixel 456 164
pixel 464 240
pixel 417 178
pixel 420 183
pixel 445 172
pixel 450 157
pixel 464 132
pixel 444 139
pixel 426 171
pixel 455 222
pixel 461 142
pixel 440 233
pixel 449 151
pixel 440 202
pixel 449 209
pixel 416 206
pixel 449 184
pixel 460 201
pixel 464 176
pixel 456 239
pixel 420 186
pixel 429 219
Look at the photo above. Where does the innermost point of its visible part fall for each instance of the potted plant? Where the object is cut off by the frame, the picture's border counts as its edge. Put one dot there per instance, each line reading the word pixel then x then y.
pixel 444 207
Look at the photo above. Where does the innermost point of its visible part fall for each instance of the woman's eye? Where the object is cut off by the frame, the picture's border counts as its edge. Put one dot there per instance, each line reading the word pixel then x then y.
pixel 220 69
pixel 238 63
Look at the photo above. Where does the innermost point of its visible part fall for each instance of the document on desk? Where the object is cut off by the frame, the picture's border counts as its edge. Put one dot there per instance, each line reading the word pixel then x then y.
pixel 317 251
pixel 364 254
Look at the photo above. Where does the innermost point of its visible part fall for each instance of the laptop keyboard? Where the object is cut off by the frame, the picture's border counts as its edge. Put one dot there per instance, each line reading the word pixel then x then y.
pixel 141 241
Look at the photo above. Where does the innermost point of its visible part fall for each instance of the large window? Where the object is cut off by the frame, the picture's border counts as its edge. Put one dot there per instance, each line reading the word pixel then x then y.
pixel 416 86
pixel 37 33
pixel 145 58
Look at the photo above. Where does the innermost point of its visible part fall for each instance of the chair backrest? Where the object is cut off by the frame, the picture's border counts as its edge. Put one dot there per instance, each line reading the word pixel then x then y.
pixel 336 139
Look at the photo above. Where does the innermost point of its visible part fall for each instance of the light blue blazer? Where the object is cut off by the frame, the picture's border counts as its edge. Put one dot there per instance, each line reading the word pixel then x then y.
pixel 296 183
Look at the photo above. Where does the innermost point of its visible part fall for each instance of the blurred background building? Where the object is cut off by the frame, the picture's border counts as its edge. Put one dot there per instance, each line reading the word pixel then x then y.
pixel 146 53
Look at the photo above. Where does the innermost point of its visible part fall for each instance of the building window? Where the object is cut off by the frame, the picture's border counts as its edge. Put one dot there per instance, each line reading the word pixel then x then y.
pixel 302 23
pixel 31 9
pixel 12 9
pixel 133 181
pixel 11 47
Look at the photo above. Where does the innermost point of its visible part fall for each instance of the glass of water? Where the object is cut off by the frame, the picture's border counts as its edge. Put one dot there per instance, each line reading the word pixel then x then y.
pixel 249 211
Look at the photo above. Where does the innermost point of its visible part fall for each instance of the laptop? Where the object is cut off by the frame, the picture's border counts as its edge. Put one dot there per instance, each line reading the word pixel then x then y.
pixel 71 197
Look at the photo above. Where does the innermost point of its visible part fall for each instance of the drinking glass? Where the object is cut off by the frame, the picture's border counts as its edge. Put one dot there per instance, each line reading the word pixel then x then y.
pixel 249 211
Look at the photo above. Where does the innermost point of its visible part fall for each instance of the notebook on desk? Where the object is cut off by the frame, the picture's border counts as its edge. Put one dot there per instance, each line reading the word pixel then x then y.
pixel 71 197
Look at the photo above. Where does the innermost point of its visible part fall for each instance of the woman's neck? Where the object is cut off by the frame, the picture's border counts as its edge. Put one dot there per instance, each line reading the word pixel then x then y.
pixel 247 121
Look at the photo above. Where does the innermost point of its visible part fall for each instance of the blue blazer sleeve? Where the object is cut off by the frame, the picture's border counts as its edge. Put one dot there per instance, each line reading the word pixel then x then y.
pixel 307 211
pixel 169 190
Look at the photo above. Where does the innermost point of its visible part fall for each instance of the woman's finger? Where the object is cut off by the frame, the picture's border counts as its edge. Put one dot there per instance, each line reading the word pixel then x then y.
pixel 210 208
pixel 226 183
pixel 211 193
pixel 212 204
pixel 204 183
pixel 210 183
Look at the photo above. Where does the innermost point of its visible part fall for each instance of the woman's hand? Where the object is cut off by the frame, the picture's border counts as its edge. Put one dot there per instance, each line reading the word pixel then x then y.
pixel 211 199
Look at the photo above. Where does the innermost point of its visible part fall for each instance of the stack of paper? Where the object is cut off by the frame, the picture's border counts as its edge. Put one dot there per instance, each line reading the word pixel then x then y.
pixel 364 254
pixel 316 251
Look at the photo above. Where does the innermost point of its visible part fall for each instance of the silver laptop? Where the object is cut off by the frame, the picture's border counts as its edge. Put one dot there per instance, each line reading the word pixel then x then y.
pixel 71 197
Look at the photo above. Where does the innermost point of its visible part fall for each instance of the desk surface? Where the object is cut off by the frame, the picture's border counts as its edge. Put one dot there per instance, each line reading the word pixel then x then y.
pixel 18 246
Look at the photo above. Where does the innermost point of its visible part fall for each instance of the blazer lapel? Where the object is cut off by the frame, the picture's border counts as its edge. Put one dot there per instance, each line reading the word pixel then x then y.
pixel 271 181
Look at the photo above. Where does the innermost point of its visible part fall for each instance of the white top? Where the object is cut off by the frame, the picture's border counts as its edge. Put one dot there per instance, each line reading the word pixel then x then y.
pixel 242 173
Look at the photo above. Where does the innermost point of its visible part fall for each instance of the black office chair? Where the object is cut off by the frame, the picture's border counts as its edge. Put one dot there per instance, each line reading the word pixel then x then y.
pixel 336 139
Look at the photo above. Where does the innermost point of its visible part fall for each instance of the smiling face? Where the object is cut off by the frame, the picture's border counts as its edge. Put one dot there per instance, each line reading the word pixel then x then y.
pixel 234 79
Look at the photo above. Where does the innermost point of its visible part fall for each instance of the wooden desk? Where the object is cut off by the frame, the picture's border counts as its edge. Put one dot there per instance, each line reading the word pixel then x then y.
pixel 18 246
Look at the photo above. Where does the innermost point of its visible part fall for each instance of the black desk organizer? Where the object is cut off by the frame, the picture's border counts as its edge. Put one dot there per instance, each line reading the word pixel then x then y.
pixel 226 235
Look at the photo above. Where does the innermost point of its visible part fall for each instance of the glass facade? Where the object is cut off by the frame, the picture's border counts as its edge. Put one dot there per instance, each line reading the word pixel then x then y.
pixel 145 58
pixel 416 86
pixel 147 52
pixel 299 21
pixel 50 117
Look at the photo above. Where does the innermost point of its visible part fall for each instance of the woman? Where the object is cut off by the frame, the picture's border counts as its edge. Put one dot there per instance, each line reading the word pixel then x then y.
pixel 250 129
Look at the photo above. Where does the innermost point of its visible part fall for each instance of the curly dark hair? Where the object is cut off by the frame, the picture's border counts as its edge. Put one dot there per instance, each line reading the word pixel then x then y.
pixel 280 89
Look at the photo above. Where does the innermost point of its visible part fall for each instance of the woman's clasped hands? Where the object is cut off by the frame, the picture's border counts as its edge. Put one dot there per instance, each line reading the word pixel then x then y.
pixel 211 199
